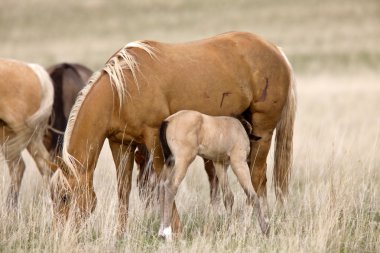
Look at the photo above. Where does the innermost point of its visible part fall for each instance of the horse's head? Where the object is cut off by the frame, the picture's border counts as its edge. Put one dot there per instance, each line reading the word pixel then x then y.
pixel 71 197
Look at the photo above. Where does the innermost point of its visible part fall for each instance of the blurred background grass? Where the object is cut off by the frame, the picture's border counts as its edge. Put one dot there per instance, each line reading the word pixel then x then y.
pixel 335 35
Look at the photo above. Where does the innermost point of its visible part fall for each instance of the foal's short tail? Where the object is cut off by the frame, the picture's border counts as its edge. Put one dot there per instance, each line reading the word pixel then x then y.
pixel 284 141
pixel 168 155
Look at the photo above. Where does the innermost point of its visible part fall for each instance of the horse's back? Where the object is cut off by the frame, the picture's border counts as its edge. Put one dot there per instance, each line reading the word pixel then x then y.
pixel 225 73
pixel 213 137
pixel 20 91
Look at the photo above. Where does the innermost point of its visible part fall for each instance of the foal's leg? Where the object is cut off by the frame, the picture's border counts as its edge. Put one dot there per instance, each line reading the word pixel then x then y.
pixel 41 156
pixel 241 170
pixel 174 178
pixel 152 142
pixel 213 180
pixel 163 178
pixel 16 168
pixel 228 196
pixel 123 155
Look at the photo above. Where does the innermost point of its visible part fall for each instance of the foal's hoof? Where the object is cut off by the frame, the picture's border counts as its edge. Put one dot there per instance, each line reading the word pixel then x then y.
pixel 166 233
pixel 265 228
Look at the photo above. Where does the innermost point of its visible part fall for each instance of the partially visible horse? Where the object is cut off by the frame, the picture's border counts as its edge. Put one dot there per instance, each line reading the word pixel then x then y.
pixel 146 81
pixel 224 140
pixel 26 99
pixel 68 79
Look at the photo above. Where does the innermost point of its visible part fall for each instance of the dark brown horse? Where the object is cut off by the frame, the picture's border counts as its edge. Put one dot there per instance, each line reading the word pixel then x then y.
pixel 68 79
pixel 145 82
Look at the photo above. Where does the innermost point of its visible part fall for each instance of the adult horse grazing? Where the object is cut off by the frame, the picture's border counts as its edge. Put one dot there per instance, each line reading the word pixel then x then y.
pixel 145 82
pixel 68 79
pixel 26 93
pixel 224 140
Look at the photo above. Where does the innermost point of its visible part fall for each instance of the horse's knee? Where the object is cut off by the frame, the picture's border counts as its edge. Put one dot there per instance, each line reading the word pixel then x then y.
pixel 170 187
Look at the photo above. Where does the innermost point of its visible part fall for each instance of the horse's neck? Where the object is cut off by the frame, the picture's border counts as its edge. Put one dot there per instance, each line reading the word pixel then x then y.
pixel 86 134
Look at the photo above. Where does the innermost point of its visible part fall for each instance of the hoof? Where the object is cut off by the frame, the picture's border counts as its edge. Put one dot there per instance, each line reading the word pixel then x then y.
pixel 166 233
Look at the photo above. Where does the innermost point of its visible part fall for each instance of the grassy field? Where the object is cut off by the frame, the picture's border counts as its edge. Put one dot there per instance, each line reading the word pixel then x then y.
pixel 334 201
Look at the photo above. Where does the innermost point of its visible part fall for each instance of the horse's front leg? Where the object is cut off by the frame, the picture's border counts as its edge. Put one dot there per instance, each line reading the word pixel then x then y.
pixel 123 155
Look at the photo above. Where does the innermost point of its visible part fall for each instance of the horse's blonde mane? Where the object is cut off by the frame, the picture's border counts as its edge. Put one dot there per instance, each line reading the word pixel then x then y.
pixel 114 67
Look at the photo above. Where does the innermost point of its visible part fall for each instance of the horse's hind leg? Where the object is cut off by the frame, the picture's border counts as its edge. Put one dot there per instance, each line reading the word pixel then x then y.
pixel 163 177
pixel 228 197
pixel 41 156
pixel 264 126
pixel 241 170
pixel 16 168
pixel 213 180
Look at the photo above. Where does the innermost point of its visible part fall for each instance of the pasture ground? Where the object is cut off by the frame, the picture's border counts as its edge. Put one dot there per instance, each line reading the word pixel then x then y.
pixel 334 201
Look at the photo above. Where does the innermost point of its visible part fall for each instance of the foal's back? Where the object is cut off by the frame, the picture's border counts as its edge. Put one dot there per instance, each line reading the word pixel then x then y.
pixel 214 138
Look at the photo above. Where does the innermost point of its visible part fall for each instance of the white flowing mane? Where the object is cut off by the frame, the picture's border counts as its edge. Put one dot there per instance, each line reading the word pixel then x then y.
pixel 114 68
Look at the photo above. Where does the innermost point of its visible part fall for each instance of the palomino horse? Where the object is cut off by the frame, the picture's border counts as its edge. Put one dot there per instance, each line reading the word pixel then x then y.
pixel 145 82
pixel 224 140
pixel 68 79
pixel 26 93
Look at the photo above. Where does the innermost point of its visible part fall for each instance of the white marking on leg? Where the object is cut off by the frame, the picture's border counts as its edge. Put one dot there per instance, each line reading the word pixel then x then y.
pixel 167 233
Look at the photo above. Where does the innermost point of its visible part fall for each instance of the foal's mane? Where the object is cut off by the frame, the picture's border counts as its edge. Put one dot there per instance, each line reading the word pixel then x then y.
pixel 115 66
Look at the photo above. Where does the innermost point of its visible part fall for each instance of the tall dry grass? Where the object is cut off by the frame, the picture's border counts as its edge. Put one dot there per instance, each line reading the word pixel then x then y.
pixel 334 201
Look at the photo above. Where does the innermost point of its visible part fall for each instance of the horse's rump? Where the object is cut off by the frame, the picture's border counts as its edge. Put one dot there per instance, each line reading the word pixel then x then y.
pixel 26 111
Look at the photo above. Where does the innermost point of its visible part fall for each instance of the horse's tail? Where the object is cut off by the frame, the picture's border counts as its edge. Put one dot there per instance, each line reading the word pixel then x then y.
pixel 41 116
pixel 168 155
pixel 36 124
pixel 284 140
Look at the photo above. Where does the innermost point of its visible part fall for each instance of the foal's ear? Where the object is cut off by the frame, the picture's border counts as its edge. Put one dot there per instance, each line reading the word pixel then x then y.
pixel 253 137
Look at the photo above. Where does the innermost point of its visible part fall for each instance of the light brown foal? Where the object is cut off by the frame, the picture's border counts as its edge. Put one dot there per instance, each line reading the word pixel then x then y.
pixel 186 134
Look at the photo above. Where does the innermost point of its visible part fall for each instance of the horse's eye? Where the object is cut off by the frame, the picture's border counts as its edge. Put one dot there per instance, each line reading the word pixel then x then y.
pixel 65 198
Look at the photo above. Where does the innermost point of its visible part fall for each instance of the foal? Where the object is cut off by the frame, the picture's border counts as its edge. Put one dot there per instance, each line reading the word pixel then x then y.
pixel 224 140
